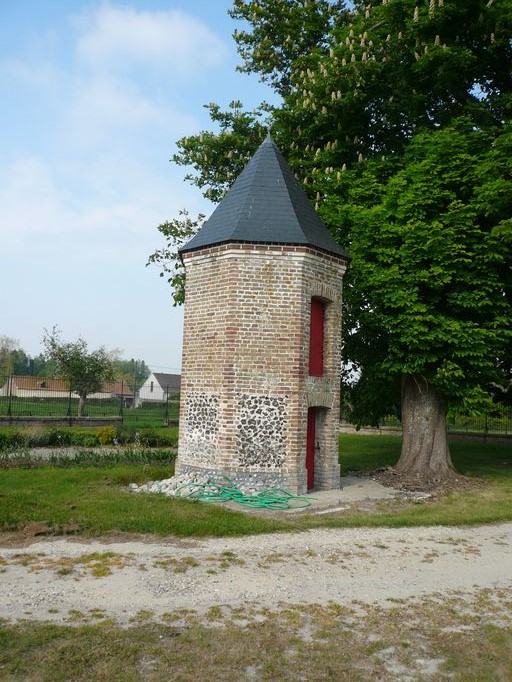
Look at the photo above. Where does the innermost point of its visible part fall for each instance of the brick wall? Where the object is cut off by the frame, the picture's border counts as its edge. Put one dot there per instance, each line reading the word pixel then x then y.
pixel 245 388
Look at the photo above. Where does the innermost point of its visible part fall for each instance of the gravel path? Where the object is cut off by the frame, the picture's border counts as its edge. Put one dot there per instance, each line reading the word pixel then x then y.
pixel 52 579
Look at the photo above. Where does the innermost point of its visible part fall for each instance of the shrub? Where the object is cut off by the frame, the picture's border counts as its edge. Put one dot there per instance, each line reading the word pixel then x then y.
pixel 107 435
pixel 59 437
pixel 84 439
pixel 12 439
pixel 124 435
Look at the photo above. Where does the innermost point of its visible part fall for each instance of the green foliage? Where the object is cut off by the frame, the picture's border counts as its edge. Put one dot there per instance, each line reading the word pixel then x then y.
pixel 13 359
pixel 150 458
pixel 176 233
pixel 9 352
pixel 106 435
pixel 218 158
pixel 19 439
pixel 141 438
pixel 283 33
pixel 396 68
pixel 131 371
pixel 428 265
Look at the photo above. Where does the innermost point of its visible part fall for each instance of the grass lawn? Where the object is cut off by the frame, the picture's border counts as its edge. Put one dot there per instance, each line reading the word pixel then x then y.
pixel 361 453
pixel 461 640
pixel 466 638
pixel 96 499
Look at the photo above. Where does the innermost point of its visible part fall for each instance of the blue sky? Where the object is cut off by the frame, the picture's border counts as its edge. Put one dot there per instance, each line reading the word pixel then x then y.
pixel 94 96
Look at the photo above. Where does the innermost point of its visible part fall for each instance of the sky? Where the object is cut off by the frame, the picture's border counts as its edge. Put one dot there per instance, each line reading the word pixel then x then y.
pixel 94 97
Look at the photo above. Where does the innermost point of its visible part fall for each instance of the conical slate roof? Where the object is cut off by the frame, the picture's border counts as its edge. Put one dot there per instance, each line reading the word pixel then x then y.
pixel 266 205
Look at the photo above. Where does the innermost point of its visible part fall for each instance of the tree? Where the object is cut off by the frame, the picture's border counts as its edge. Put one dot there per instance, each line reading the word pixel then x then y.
pixel 282 33
pixel 431 267
pixel 14 360
pixel 8 347
pixel 133 372
pixel 175 232
pixel 41 366
pixel 85 370
pixel 395 118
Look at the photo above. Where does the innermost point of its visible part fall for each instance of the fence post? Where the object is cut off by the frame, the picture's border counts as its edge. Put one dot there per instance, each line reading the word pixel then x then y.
pixel 166 411
pixel 69 415
pixel 134 381
pixel 121 414
pixel 9 390
pixel 486 427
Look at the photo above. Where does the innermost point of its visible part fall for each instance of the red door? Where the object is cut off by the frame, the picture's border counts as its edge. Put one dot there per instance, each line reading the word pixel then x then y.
pixel 310 448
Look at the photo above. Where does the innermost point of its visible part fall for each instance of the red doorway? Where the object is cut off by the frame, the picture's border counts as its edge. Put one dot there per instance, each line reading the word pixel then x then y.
pixel 310 448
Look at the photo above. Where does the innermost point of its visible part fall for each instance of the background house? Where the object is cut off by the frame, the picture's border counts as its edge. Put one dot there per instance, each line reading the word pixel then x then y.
pixel 48 387
pixel 160 386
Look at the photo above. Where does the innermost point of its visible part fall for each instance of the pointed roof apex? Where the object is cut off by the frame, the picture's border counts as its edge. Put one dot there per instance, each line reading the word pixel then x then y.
pixel 265 205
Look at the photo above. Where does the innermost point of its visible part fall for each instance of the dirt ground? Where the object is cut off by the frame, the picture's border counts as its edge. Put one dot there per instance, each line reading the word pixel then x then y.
pixel 122 576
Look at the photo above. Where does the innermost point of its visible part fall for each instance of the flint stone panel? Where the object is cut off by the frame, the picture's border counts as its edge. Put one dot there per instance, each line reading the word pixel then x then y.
pixel 261 431
pixel 201 428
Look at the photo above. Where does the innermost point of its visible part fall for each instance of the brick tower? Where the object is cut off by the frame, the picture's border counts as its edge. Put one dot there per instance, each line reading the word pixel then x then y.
pixel 262 336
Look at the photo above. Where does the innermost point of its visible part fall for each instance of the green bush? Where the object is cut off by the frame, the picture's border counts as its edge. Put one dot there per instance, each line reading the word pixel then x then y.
pixel 107 435
pixel 150 437
pixel 124 435
pixel 84 439
pixel 12 439
pixel 147 437
pixel 59 438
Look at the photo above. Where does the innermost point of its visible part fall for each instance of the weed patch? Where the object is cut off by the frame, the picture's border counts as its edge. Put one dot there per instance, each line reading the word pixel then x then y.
pixel 97 564
pixel 462 637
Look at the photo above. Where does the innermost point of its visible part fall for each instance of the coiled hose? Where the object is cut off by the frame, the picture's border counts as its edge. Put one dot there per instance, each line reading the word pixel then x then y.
pixel 220 488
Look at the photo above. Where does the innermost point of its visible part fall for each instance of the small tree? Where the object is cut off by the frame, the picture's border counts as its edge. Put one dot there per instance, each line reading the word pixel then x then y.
pixel 86 371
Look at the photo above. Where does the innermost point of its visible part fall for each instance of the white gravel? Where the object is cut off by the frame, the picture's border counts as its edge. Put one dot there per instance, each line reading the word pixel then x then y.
pixel 49 579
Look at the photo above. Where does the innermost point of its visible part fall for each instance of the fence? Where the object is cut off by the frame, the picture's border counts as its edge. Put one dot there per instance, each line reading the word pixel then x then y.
pixel 43 399
pixel 490 424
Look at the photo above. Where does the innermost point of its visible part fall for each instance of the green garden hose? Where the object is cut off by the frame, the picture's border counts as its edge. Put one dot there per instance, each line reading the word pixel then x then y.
pixel 220 488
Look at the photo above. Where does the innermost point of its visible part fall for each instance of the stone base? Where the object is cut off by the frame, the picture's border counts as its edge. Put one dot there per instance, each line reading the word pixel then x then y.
pixel 252 482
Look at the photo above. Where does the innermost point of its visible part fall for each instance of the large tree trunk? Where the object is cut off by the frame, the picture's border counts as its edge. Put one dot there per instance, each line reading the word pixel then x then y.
pixel 425 456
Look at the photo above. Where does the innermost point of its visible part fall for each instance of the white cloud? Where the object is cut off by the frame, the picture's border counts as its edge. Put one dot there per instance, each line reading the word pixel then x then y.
pixel 120 38
pixel 30 199
pixel 107 200
pixel 105 108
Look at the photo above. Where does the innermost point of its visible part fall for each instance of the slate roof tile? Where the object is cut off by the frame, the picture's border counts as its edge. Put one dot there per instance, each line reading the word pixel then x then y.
pixel 267 205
